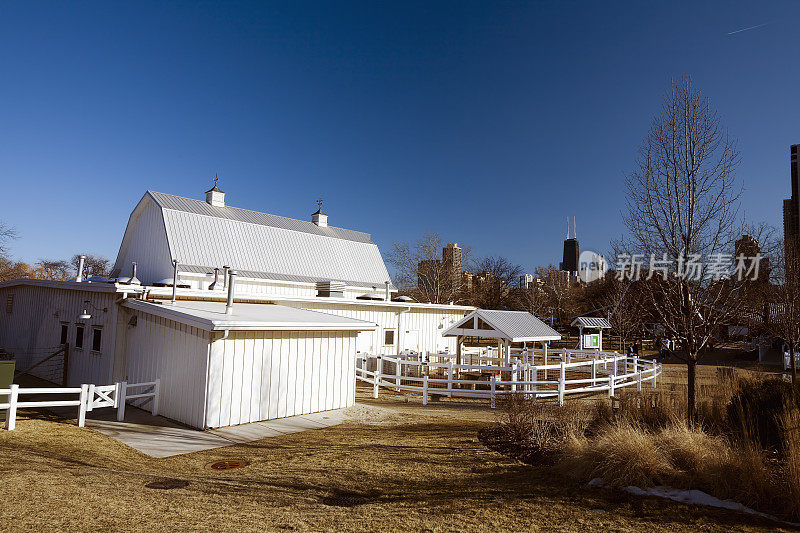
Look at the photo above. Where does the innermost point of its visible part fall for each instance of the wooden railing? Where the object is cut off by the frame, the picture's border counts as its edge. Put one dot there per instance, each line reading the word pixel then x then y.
pixel 575 373
pixel 89 397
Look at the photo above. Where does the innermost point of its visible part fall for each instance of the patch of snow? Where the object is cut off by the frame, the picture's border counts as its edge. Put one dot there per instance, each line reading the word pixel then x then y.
pixel 693 497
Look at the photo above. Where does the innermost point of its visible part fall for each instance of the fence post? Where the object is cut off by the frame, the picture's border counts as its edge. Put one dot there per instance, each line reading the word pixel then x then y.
pixel 425 390
pixel 376 376
pixel 398 372
pixel 561 385
pixel 638 372
pixel 11 413
pixel 156 394
pixel 123 392
pixel 514 377
pixel 90 394
pixel 491 393
pixel 594 372
pixel 534 377
pixel 654 373
pixel 612 379
pixel 450 379
pixel 83 407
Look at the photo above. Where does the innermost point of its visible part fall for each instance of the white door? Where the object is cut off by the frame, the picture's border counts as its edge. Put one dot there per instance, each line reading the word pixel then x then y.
pixel 365 341
pixel 411 340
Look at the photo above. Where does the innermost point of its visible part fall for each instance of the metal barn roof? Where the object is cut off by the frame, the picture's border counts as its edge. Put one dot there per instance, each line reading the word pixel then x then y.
pixel 201 237
pixel 591 322
pixel 199 207
pixel 210 316
pixel 514 326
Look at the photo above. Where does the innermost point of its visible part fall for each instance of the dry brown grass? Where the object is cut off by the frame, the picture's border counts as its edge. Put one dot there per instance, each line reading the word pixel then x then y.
pixel 427 474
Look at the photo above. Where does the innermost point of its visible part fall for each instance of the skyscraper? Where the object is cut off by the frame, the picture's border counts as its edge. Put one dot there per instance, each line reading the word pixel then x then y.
pixel 569 262
pixel 791 207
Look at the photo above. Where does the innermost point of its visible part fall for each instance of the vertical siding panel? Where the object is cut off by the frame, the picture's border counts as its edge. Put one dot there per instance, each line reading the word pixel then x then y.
pixel 275 363
pixel 244 348
pixel 291 360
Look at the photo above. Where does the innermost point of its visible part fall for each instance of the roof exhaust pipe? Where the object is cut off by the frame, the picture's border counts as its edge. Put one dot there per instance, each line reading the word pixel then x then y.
pixel 229 304
pixel 174 280
pixel 225 270
pixel 81 263
pixel 215 285
pixel 134 280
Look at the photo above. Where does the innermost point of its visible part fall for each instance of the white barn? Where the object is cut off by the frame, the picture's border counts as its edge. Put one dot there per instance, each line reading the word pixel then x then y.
pixel 307 297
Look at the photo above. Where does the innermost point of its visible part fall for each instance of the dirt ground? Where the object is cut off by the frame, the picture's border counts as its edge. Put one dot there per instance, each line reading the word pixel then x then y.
pixel 406 467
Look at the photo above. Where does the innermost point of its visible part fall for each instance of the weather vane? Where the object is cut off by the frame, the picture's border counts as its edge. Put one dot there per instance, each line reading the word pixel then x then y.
pixel 216 177
pixel 319 203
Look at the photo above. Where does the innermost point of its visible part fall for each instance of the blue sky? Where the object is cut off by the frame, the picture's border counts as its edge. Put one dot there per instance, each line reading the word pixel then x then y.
pixel 487 122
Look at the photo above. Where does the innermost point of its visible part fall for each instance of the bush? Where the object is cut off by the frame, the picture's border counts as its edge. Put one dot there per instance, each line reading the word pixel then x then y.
pixel 535 432
pixel 755 409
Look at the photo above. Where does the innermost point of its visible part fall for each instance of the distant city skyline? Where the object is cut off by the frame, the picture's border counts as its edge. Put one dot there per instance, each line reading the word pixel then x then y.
pixel 487 123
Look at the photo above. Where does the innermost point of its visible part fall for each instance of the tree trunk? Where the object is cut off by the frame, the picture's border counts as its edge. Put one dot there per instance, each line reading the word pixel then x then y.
pixel 791 362
pixel 691 368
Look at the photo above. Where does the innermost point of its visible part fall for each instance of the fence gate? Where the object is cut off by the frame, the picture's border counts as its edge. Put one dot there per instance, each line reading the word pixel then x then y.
pixel 102 396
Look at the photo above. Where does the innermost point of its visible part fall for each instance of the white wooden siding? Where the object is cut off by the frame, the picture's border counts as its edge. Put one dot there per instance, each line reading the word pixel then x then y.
pixel 429 323
pixel 261 375
pixel 145 241
pixel 34 327
pixel 177 354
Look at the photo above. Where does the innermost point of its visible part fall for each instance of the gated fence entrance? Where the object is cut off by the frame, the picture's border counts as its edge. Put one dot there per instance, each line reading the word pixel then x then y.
pixel 86 398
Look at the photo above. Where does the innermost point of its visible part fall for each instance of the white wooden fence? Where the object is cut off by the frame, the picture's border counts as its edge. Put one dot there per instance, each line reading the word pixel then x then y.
pixel 575 373
pixel 89 397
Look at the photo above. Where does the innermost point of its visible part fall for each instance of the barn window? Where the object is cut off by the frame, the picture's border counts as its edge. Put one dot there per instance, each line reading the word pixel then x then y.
pixel 64 332
pixel 97 339
pixel 9 303
pixel 79 336
pixel 388 337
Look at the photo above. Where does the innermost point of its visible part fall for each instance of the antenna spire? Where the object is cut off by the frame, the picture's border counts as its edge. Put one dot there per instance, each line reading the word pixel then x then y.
pixel 574 228
pixel 567 227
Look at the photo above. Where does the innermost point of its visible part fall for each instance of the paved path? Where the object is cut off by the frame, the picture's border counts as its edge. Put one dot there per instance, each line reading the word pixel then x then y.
pixel 159 437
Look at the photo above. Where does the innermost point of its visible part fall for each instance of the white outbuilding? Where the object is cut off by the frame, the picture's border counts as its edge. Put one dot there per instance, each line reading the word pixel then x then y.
pixel 243 316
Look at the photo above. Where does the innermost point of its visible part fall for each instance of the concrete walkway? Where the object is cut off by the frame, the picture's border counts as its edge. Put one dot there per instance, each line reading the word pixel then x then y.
pixel 159 437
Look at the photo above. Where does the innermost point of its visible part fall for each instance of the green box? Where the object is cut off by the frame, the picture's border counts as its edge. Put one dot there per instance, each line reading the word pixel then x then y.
pixel 6 379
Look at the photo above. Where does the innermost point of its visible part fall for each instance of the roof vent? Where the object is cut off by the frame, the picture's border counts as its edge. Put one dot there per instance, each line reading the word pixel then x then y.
pixel 330 289
pixel 215 196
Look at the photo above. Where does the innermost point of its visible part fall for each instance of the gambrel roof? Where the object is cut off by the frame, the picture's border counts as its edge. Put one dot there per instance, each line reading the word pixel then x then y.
pixel 514 326
pixel 201 236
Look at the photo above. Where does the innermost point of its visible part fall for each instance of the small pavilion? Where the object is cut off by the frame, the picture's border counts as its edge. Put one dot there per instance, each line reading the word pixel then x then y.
pixel 593 324
pixel 507 327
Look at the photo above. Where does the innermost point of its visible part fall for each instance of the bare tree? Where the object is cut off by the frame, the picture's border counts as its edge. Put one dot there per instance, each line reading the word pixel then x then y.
pixel 494 280
pixel 559 292
pixel 6 234
pixel 420 270
pixel 95 265
pixel 783 301
pixel 682 201
pixel 621 301
pixel 52 269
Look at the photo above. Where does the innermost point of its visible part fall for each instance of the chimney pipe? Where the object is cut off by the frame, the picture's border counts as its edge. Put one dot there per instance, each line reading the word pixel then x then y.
pixel 134 280
pixel 215 285
pixel 174 280
pixel 229 304
pixel 81 262
pixel 387 294
pixel 225 269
